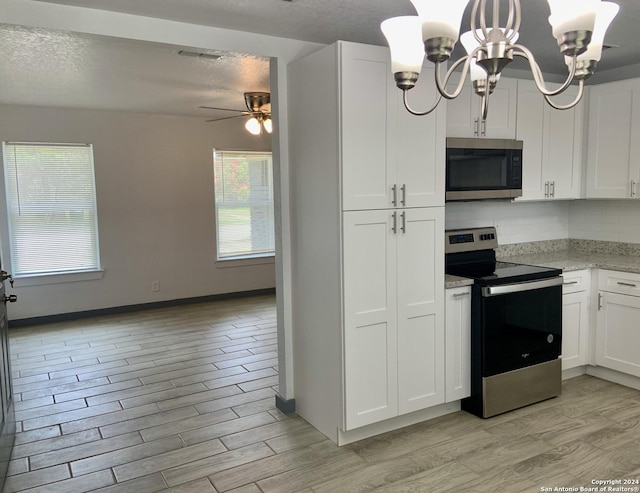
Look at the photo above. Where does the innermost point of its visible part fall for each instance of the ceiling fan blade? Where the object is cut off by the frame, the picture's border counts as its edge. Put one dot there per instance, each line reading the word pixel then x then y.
pixel 221 109
pixel 225 118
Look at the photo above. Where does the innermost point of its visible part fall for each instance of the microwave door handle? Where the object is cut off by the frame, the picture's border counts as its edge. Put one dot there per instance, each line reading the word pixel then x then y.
pixel 519 287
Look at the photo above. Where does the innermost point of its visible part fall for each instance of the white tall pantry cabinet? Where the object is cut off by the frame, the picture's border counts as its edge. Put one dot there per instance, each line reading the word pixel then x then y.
pixel 368 241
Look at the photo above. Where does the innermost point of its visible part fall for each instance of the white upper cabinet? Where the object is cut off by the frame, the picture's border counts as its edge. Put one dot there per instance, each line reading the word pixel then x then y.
pixel 613 162
pixel 390 158
pixel 464 118
pixel 552 144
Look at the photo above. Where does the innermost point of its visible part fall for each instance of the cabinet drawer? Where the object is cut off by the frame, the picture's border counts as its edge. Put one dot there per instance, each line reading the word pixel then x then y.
pixel 575 281
pixel 619 282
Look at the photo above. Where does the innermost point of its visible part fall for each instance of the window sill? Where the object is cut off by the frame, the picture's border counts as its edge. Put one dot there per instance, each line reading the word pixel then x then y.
pixel 42 279
pixel 246 261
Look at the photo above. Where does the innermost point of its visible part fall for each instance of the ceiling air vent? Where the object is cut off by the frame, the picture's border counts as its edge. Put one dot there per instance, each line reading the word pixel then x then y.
pixel 196 54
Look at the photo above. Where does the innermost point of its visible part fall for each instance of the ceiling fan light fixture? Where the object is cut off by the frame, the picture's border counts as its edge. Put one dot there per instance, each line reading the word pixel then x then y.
pixel 268 124
pixel 253 126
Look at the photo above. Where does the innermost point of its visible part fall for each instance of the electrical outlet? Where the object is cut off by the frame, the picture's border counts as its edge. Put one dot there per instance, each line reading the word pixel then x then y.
pixel 155 286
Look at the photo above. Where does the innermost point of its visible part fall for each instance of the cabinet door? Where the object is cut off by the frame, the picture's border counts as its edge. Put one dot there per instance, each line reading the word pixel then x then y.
pixel 501 117
pixel 420 265
pixel 458 344
pixel 562 147
pixel 370 327
pixel 420 142
pixel 618 333
pixel 368 115
pixel 610 139
pixel 575 324
pixel 530 129
pixel 464 112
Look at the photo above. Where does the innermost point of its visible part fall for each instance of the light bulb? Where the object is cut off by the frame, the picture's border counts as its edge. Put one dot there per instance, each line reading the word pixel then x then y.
pixel 605 14
pixel 440 21
pixel 572 15
pixel 268 124
pixel 404 36
pixel 253 126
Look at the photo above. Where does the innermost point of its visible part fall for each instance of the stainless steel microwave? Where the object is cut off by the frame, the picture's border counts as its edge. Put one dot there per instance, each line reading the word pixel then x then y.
pixel 483 169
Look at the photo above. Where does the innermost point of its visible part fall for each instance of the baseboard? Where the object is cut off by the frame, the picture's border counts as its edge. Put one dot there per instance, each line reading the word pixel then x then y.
pixel 65 317
pixel 287 406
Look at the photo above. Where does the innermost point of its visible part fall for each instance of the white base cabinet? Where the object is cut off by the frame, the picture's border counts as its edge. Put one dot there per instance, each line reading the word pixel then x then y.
pixel 458 343
pixel 393 313
pixel 618 322
pixel 575 318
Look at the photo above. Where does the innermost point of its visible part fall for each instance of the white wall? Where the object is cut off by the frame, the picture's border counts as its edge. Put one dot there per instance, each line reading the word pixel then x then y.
pixel 608 220
pixel 517 222
pixel 154 186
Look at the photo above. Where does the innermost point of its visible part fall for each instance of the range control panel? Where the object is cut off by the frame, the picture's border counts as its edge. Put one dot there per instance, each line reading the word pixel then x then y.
pixel 469 240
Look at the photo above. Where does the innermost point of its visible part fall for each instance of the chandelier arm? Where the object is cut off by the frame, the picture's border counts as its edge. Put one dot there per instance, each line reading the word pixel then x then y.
pixel 515 28
pixel 572 103
pixel 483 19
pixel 442 85
pixel 509 25
pixel 405 100
pixel 474 24
pixel 522 51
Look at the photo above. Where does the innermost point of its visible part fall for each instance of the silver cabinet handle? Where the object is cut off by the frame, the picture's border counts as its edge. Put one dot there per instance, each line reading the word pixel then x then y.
pixel 403 228
pixel 566 283
pixel 461 295
pixel 394 228
pixel 484 128
pixel 599 301
pixel 633 188
pixel 553 189
pixel 476 127
pixel 404 194
pixel 394 195
pixel 631 285
pixel 546 189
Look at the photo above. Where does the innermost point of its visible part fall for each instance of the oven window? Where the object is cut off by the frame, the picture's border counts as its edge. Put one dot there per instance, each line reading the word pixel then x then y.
pixel 477 169
pixel 521 329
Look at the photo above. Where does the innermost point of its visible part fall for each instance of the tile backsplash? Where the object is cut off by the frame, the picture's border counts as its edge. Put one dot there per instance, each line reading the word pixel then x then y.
pixel 605 220
pixel 520 222
pixel 516 222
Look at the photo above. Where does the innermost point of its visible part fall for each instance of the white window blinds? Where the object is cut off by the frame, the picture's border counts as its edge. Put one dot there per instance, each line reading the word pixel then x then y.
pixel 51 207
pixel 244 204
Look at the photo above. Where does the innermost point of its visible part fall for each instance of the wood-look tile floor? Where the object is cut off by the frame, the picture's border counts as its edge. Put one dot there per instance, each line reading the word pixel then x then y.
pixel 181 400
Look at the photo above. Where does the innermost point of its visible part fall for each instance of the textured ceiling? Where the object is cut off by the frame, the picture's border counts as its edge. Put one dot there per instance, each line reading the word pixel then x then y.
pixel 39 67
pixel 66 69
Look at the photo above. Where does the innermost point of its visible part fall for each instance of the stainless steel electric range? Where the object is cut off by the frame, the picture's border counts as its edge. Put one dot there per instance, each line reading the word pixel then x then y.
pixel 516 325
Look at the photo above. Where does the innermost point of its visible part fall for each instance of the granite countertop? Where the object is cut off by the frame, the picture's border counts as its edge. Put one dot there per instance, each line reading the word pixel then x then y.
pixel 569 260
pixel 573 254
pixel 568 255
pixel 456 281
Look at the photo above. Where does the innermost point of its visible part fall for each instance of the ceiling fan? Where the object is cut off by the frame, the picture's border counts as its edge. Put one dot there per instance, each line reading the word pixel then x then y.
pixel 258 107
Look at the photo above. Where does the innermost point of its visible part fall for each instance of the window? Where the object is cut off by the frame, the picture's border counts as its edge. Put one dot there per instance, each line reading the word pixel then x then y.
pixel 51 207
pixel 244 204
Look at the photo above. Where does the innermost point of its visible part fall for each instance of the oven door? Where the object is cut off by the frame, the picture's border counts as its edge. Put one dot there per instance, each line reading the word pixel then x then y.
pixel 521 325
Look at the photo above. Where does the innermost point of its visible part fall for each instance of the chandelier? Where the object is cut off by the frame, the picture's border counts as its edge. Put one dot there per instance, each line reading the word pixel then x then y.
pixel 579 27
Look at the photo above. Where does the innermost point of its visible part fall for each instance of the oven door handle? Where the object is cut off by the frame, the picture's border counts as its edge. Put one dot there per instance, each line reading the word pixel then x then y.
pixel 488 291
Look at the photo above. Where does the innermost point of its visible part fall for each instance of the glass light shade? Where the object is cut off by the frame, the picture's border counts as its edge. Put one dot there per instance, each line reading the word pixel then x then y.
pixel 572 15
pixel 404 35
pixel 268 124
pixel 253 126
pixel 440 20
pixel 607 11
pixel 470 43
